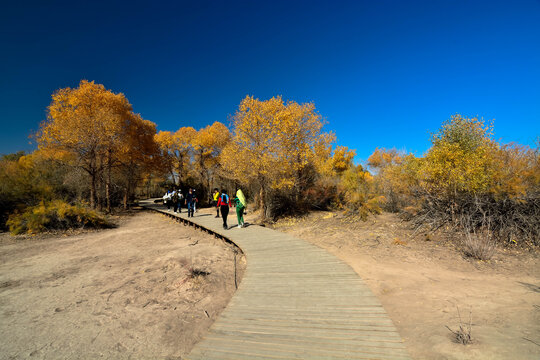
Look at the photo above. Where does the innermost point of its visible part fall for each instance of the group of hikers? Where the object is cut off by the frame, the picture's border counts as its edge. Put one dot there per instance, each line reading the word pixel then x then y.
pixel 175 198
pixel 220 200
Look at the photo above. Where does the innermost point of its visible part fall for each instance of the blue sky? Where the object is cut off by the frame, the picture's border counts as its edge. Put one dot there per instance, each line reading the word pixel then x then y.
pixel 382 73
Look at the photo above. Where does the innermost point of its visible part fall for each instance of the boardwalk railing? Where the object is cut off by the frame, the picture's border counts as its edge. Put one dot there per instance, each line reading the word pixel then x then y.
pixel 296 301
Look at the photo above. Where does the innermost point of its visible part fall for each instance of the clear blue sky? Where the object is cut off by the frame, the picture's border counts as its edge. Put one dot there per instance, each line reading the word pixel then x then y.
pixel 383 73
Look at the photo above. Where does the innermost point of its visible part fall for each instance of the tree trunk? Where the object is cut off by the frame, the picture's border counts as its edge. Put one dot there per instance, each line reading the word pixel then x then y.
pixel 91 170
pixel 93 190
pixel 99 180
pixel 108 183
pixel 125 198
pixel 127 193
pixel 264 204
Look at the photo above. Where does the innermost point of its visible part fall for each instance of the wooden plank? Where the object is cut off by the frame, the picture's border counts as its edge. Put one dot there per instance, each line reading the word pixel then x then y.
pixel 306 350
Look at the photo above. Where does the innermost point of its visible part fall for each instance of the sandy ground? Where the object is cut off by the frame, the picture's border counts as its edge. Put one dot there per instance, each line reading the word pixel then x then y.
pixel 421 282
pixel 123 293
pixel 129 293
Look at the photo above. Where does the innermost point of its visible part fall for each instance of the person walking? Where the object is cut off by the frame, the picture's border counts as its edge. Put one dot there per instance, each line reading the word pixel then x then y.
pixel 167 199
pixel 215 200
pixel 175 200
pixel 190 202
pixel 224 203
pixel 240 203
pixel 180 198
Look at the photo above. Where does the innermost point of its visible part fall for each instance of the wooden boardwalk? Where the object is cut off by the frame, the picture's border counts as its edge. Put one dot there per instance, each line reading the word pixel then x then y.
pixel 295 301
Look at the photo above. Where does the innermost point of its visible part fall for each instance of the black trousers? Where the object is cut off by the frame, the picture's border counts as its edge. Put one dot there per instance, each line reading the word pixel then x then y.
pixel 224 214
pixel 217 207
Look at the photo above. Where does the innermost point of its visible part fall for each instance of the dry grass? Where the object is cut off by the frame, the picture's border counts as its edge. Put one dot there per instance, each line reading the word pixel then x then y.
pixel 463 333
pixel 480 246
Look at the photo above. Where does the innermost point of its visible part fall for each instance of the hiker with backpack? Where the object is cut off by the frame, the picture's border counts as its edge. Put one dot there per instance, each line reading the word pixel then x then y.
pixel 240 203
pixel 224 203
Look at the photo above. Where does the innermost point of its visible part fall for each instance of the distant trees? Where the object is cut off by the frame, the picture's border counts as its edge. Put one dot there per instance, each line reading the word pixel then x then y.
pixel 138 157
pixel 396 178
pixel 189 153
pixel 176 150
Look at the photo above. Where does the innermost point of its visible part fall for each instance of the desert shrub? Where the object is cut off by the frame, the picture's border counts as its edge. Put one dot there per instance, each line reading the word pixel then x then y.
pixel 362 209
pixel 466 180
pixel 479 245
pixel 322 196
pixel 510 221
pixel 396 178
pixel 27 179
pixel 463 334
pixel 469 181
pixel 54 215
pixel 356 193
pixel 461 159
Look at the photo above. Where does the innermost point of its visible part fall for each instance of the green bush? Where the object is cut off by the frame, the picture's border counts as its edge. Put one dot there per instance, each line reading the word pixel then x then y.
pixel 55 215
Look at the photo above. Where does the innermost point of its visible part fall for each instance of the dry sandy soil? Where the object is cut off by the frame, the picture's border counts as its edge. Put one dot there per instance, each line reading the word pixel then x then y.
pixel 128 292
pixel 123 293
pixel 421 282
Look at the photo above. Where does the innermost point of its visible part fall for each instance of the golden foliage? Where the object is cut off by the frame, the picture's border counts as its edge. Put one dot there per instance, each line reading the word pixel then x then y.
pixel 190 152
pixel 342 159
pixel 396 176
pixel 86 120
pixel 95 129
pixel 466 180
pixel 462 158
pixel 176 150
pixel 55 215
pixel 517 171
pixel 273 143
pixel 208 145
pixel 383 158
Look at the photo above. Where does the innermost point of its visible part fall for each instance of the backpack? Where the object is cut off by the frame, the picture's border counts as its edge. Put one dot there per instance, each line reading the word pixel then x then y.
pixel 225 198
pixel 175 197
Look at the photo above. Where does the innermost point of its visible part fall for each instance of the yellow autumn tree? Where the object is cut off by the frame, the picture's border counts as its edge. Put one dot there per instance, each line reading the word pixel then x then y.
pixel 176 151
pixel 273 146
pixel 342 159
pixel 461 159
pixel 396 177
pixel 208 143
pixel 182 152
pixel 138 155
pixel 165 141
pixel 86 125
pixel 469 181
pixel 517 172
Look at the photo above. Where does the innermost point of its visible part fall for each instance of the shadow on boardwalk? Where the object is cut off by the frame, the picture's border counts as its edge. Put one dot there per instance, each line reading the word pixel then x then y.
pixel 296 301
